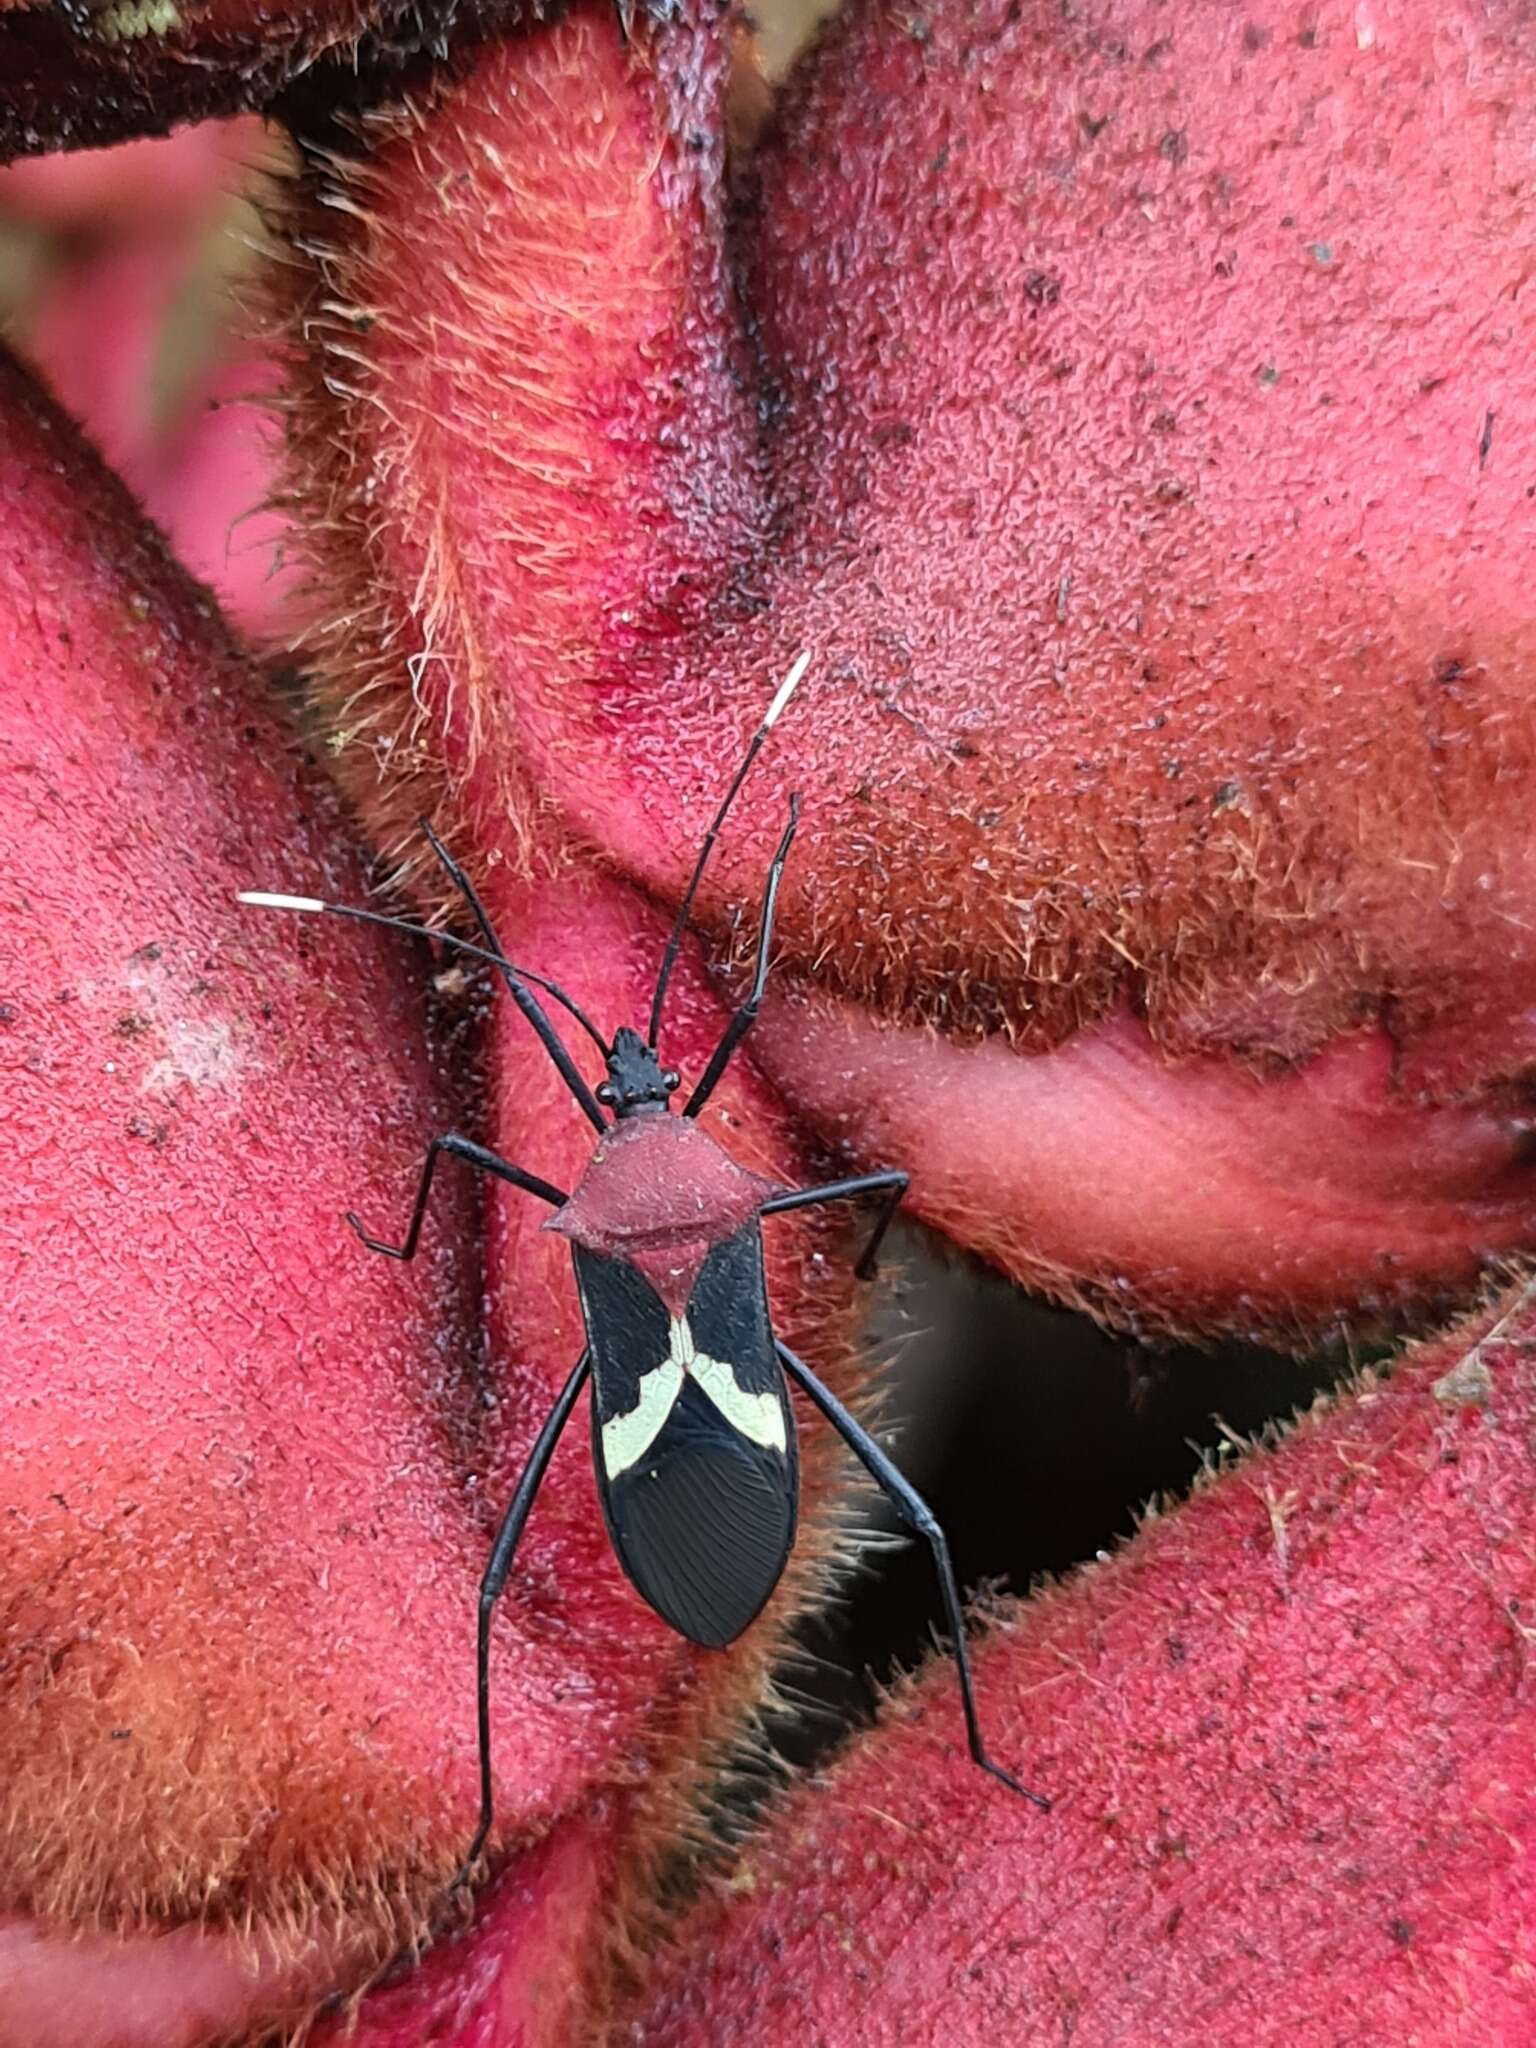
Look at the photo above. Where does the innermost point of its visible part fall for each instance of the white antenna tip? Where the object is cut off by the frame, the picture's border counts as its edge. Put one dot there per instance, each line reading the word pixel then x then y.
pixel 787 688
pixel 264 901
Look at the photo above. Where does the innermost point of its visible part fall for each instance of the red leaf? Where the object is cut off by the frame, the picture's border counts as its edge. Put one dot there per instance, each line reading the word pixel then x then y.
pixel 1137 453
pixel 1287 1731
pixel 128 313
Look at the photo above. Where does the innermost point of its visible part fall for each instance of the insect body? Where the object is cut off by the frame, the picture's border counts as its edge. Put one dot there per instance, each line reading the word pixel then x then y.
pixel 692 1438
pixel 693 1435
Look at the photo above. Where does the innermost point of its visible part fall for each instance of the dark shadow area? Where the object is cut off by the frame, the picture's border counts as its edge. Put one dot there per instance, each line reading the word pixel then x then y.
pixel 1036 1438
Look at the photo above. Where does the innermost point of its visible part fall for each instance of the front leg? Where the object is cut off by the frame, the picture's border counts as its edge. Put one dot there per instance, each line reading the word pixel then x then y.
pixel 892 1184
pixel 472 1155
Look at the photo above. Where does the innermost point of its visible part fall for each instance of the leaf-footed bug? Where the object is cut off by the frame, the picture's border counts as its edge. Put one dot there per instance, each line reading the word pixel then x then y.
pixel 693 1435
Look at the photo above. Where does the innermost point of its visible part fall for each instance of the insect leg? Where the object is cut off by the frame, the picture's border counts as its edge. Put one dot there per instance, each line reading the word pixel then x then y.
pixel 473 1155
pixel 507 1537
pixel 892 1184
pixel 741 1023
pixel 918 1516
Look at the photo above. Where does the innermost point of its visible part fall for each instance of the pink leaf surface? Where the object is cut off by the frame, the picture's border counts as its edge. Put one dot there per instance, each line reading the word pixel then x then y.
pixel 1109 421
pixel 1288 1732
pixel 136 307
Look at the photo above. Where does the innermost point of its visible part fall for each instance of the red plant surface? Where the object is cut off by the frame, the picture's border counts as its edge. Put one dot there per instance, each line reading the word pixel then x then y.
pixel 1271 1821
pixel 1127 407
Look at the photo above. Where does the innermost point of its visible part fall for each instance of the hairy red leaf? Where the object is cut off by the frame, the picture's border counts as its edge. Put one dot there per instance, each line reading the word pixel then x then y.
pixel 1138 451
pixel 1288 1734
pixel 230 1451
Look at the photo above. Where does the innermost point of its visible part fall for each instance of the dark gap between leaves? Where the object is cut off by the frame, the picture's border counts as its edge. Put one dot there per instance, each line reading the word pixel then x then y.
pixel 1036 1437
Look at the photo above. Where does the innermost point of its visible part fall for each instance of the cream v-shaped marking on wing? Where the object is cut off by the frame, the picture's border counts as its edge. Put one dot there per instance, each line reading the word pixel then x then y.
pixel 627 1437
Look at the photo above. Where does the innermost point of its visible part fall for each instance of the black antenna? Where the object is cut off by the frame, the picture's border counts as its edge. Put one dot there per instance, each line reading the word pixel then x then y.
pixel 516 976
pixel 785 691
pixel 746 1015
pixel 466 889
pixel 493 958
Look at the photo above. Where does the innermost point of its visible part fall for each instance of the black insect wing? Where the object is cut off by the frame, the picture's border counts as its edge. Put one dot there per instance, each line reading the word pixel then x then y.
pixel 693 1438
